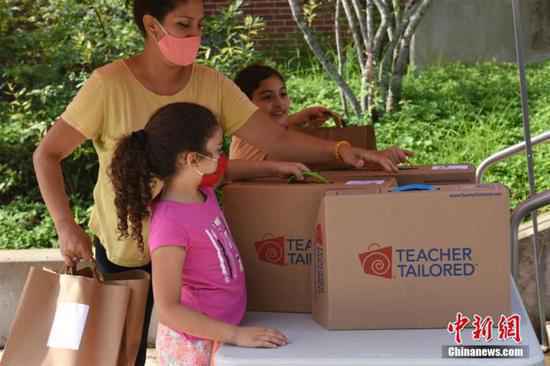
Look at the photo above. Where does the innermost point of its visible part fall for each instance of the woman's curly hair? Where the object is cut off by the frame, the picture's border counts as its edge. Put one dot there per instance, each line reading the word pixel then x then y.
pixel 151 153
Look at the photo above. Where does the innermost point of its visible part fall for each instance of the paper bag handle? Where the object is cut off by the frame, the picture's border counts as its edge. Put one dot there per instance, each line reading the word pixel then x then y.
pixel 338 120
pixel 72 270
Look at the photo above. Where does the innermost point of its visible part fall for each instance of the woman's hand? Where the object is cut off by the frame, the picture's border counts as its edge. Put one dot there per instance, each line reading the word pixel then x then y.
pixel 74 243
pixel 388 159
pixel 397 155
pixel 285 169
pixel 259 337
pixel 311 117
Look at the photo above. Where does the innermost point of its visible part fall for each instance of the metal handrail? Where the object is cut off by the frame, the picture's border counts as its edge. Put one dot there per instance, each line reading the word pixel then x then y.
pixel 525 208
pixel 509 151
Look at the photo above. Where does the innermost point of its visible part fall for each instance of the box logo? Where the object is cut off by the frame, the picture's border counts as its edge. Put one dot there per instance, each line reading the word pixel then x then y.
pixel 272 250
pixel 418 263
pixel 377 261
pixel 284 250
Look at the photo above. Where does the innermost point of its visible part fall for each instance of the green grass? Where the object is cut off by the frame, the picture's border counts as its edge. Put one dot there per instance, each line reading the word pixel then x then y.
pixel 457 113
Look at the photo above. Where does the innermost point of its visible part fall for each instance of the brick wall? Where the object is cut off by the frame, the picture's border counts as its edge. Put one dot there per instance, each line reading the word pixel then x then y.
pixel 280 25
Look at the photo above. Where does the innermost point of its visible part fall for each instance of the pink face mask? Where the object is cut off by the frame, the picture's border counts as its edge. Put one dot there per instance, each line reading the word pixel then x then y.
pixel 179 51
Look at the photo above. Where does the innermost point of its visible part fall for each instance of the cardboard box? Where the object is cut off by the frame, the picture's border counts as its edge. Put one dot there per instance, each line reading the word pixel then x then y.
pixel 428 174
pixel 272 223
pixel 411 259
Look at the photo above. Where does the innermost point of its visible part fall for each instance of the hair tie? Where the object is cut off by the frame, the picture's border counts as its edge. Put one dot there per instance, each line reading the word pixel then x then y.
pixel 140 135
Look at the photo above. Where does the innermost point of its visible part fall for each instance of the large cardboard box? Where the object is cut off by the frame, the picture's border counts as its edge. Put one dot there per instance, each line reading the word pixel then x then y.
pixel 428 174
pixel 272 223
pixel 411 259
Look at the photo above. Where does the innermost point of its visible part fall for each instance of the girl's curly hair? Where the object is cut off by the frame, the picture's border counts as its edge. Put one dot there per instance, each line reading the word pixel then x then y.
pixel 151 153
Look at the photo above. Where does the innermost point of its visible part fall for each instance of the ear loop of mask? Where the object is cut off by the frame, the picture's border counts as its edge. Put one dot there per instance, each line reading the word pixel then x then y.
pixel 196 169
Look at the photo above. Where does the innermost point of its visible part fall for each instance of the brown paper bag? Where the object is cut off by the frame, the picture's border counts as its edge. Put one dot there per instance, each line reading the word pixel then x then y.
pixel 138 282
pixel 357 136
pixel 67 320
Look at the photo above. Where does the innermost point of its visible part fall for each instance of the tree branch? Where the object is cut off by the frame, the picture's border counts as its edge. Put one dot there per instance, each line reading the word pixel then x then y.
pixel 394 94
pixel 380 36
pixel 385 16
pixel 340 56
pixel 369 97
pixel 316 49
pixel 361 18
pixel 356 34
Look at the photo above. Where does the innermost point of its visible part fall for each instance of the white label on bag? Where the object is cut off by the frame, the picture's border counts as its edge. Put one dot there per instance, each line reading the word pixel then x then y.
pixel 357 182
pixel 450 167
pixel 68 325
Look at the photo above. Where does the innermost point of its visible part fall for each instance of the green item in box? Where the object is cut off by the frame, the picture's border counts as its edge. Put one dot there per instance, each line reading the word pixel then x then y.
pixel 309 177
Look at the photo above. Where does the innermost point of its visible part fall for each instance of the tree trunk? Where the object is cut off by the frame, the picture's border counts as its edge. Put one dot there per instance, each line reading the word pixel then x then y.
pixel 396 84
pixel 327 65
pixel 340 55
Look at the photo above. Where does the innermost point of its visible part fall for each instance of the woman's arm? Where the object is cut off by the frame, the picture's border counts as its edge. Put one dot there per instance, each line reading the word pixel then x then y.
pixel 167 264
pixel 290 145
pixel 60 141
pixel 249 169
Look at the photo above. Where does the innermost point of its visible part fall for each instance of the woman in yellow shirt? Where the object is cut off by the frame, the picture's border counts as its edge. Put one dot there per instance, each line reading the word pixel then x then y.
pixel 119 98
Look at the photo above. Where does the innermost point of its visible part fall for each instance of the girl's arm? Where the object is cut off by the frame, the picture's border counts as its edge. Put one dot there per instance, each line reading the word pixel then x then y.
pixel 249 169
pixel 60 142
pixel 167 264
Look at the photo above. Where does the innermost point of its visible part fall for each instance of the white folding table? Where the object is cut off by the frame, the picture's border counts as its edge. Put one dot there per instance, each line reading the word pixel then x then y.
pixel 310 344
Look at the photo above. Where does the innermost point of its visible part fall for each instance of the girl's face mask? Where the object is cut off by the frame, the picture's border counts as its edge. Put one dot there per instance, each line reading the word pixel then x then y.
pixel 210 180
pixel 179 51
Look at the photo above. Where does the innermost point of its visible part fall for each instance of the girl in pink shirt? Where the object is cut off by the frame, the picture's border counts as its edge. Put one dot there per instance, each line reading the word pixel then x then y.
pixel 198 276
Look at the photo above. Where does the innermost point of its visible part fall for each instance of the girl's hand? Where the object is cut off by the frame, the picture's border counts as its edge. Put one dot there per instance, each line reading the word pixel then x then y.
pixel 284 169
pixel 259 337
pixel 312 116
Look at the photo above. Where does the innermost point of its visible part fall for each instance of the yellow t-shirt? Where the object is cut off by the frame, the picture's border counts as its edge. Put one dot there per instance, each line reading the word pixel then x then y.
pixel 113 103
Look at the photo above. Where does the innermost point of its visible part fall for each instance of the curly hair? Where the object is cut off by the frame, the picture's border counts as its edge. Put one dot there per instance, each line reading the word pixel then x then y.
pixel 151 153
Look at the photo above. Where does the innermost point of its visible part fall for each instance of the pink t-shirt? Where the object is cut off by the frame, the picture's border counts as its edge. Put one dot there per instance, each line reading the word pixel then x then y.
pixel 212 277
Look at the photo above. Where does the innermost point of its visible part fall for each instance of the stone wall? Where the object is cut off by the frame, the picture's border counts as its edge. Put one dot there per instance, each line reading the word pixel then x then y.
pixel 472 30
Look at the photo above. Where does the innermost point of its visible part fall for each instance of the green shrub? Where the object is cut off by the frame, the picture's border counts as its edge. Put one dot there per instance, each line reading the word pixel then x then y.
pixel 27 224
pixel 228 39
pixel 48 49
pixel 454 113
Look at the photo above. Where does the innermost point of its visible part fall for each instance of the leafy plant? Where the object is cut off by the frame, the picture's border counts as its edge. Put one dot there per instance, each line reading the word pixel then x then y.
pixel 229 39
